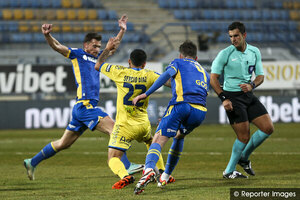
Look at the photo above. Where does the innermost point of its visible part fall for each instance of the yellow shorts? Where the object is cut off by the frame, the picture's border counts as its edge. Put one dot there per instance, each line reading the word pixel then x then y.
pixel 122 135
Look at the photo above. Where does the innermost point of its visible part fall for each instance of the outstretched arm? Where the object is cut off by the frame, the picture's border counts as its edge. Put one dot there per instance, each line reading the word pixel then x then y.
pixel 110 46
pixel 53 43
pixel 123 27
pixel 162 79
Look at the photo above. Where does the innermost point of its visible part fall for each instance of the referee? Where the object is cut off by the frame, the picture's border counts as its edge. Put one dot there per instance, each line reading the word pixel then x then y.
pixel 237 63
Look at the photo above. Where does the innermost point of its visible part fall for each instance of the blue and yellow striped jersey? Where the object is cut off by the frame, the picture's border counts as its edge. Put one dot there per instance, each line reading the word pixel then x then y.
pixel 130 83
pixel 190 83
pixel 86 77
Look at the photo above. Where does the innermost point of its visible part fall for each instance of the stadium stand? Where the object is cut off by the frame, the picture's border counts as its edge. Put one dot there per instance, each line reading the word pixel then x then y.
pixel 21 20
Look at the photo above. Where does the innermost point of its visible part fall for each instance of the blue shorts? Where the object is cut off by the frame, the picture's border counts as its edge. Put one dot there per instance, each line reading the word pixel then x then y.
pixel 184 117
pixel 85 115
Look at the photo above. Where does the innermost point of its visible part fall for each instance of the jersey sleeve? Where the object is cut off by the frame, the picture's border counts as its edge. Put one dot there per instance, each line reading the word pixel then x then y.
pixel 219 63
pixel 258 65
pixel 74 53
pixel 111 71
pixel 172 68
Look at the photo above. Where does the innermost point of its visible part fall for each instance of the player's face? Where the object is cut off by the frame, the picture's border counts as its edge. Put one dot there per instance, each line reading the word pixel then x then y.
pixel 237 38
pixel 92 47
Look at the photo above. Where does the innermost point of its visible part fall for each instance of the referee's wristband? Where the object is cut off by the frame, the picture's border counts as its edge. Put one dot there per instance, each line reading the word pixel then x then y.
pixel 222 96
pixel 253 85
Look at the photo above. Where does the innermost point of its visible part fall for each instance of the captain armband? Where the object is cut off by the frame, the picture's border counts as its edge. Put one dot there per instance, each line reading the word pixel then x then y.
pixel 222 96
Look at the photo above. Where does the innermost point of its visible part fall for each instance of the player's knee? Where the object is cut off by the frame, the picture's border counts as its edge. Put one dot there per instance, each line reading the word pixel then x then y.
pixel 269 130
pixel 244 139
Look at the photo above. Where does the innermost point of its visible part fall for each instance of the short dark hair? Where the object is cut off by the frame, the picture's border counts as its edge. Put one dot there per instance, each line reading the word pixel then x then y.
pixel 138 57
pixel 88 37
pixel 237 25
pixel 188 48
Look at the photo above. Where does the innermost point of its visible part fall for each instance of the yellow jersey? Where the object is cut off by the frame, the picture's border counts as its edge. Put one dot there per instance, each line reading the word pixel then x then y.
pixel 130 82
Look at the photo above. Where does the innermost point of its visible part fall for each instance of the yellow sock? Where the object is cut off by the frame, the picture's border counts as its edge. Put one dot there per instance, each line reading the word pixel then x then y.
pixel 117 167
pixel 160 162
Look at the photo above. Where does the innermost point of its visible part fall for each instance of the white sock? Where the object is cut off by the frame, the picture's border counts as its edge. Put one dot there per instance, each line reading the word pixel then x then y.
pixel 165 177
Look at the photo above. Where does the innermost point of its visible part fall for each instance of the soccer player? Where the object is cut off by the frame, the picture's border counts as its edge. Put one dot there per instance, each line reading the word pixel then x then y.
pixel 237 62
pixel 132 122
pixel 186 111
pixel 85 114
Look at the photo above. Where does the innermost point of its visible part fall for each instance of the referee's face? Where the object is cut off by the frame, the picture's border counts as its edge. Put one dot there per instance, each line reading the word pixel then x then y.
pixel 237 39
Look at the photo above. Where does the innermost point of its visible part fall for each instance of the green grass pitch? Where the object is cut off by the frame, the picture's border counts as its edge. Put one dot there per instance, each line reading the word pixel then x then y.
pixel 81 172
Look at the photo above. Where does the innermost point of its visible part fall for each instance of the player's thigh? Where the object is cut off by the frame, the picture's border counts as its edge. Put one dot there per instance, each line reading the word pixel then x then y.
pixel 172 120
pixel 105 125
pixel 119 138
pixel 195 118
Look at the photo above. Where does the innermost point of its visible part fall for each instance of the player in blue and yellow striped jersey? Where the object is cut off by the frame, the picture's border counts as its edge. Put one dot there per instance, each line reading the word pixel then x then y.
pixel 85 114
pixel 132 122
pixel 186 111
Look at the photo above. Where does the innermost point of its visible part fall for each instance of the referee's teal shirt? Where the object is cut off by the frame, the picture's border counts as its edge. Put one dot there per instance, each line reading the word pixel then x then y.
pixel 237 66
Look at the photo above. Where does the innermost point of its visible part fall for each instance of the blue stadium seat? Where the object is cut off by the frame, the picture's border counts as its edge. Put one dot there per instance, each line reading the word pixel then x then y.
pixel 178 14
pixel 277 4
pixel 112 15
pixel 217 14
pixel 14 3
pixel 102 14
pixel 256 14
pixel 34 3
pixel 284 14
pixel 250 4
pixel 105 37
pixel 228 14
pixel 46 3
pixel 110 26
pixel 266 14
pixel 230 4
pixel 246 15
pixel 293 26
pixel 4 4
pixel 163 3
pixel 173 4
pixel 182 4
pixel 56 4
pixel 189 14
pixel 276 15
pixel 0 14
pixel 208 14
pixel 38 37
pixel 193 4
pixel 130 26
pixel 13 26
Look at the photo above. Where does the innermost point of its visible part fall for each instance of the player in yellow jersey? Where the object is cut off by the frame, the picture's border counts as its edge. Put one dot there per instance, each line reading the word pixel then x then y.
pixel 132 122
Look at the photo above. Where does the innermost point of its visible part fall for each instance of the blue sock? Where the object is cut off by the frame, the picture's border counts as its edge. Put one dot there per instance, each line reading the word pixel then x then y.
pixel 236 153
pixel 45 153
pixel 153 155
pixel 174 155
pixel 257 138
pixel 125 161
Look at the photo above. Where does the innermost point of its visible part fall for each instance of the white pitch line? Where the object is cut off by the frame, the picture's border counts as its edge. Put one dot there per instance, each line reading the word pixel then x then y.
pixel 165 153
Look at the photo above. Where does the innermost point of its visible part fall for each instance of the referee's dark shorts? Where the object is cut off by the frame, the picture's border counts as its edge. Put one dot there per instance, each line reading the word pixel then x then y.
pixel 246 107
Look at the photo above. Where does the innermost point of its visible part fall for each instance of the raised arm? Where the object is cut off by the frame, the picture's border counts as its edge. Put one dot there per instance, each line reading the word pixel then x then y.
pixel 53 43
pixel 123 27
pixel 111 45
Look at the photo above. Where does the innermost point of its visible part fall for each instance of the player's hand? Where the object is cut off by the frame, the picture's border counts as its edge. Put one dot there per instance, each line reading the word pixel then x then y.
pixel 46 28
pixel 112 44
pixel 123 22
pixel 246 87
pixel 138 98
pixel 227 105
